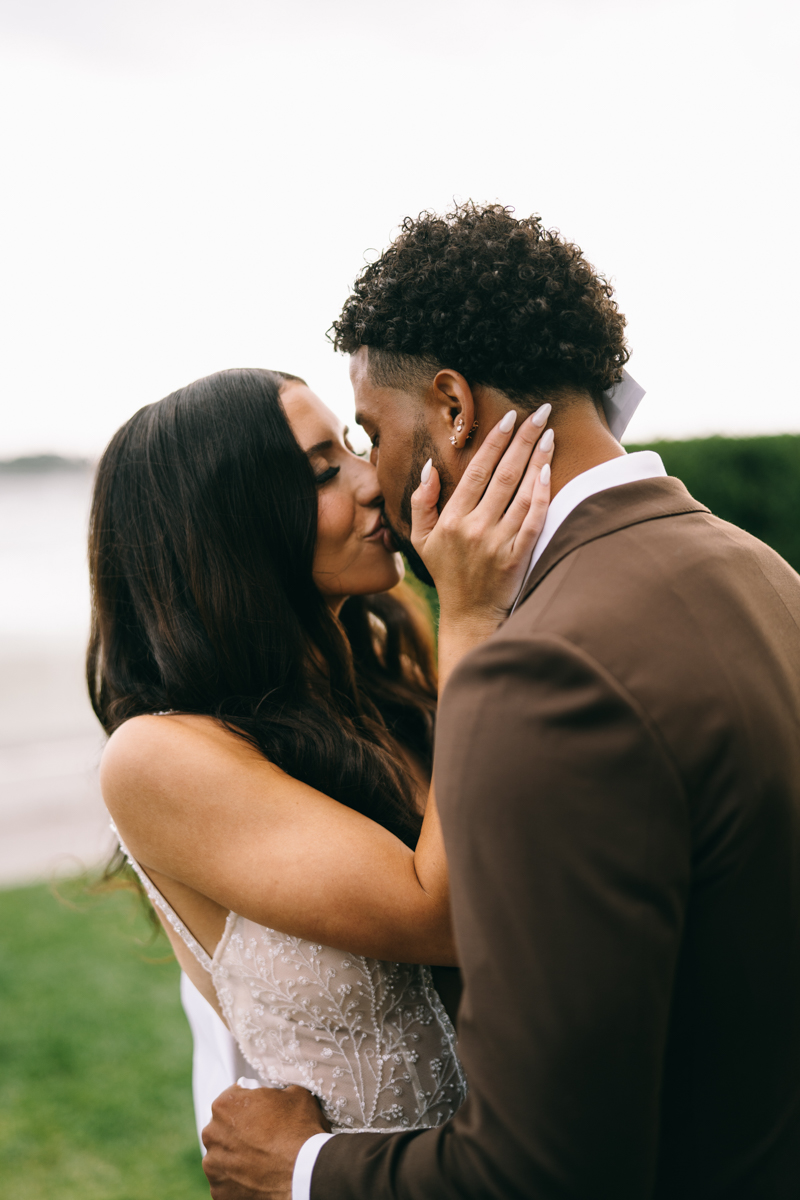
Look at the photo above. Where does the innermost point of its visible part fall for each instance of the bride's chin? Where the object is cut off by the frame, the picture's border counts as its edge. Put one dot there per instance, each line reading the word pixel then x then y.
pixel 395 571
pixel 383 578
pixel 400 567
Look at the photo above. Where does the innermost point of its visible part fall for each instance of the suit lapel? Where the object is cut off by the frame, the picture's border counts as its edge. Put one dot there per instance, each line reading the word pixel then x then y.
pixel 611 510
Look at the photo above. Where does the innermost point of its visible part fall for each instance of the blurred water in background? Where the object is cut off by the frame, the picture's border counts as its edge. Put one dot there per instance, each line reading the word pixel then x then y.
pixel 52 818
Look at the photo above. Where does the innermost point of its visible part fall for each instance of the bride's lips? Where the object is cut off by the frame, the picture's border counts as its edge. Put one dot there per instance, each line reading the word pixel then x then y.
pixel 376 532
pixel 381 533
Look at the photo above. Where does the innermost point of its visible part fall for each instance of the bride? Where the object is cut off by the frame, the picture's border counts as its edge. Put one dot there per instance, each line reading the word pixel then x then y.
pixel 268 686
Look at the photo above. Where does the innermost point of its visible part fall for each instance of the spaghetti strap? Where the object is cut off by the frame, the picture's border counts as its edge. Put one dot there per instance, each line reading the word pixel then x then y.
pixel 155 897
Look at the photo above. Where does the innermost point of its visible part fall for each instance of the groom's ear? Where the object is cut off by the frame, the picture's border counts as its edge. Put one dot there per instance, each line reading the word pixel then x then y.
pixel 453 409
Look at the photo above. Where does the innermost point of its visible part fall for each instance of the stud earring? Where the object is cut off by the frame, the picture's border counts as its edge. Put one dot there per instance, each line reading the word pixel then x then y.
pixel 460 429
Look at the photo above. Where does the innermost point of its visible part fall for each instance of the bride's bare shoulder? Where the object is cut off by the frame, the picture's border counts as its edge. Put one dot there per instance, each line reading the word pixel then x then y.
pixel 150 735
pixel 171 752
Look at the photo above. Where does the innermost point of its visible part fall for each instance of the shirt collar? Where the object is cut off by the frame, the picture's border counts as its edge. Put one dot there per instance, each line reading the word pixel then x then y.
pixel 628 468
pixel 620 402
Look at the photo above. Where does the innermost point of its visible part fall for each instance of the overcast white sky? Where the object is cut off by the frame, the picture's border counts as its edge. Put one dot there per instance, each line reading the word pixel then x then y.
pixel 191 185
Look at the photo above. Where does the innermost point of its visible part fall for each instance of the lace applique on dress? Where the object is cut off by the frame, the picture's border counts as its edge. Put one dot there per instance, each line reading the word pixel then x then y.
pixel 370 1039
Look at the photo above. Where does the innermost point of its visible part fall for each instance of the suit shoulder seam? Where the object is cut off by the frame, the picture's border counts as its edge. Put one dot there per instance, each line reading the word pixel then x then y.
pixel 634 704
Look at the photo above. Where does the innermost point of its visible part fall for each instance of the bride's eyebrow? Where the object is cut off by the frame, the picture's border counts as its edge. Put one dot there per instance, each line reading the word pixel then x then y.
pixel 318 448
pixel 321 447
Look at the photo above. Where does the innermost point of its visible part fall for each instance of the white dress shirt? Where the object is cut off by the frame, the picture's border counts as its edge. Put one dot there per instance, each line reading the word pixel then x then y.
pixel 305 1162
pixel 628 468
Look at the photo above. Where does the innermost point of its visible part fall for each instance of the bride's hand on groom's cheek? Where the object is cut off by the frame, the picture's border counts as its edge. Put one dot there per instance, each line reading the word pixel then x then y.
pixel 253 1139
pixel 478 549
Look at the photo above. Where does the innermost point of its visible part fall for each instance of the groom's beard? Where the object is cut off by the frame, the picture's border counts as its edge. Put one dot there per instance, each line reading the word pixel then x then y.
pixel 410 555
pixel 421 450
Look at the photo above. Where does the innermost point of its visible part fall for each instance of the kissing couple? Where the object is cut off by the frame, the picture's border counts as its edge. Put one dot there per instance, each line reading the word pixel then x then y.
pixel 607 839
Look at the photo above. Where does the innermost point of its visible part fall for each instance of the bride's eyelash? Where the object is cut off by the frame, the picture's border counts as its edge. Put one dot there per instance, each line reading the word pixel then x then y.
pixel 326 476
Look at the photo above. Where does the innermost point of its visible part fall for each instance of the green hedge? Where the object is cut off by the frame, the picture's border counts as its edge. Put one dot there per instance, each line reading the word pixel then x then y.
pixel 752 482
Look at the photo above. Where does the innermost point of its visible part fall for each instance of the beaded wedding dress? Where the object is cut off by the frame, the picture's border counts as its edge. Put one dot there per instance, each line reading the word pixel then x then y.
pixel 370 1039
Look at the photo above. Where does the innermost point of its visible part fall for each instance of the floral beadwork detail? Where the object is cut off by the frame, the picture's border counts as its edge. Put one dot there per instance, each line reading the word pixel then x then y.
pixel 370 1039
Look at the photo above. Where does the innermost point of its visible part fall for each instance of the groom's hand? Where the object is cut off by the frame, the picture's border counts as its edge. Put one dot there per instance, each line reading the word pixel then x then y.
pixel 254 1138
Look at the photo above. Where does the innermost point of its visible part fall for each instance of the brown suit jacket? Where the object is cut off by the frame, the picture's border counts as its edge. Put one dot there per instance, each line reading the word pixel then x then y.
pixel 618 770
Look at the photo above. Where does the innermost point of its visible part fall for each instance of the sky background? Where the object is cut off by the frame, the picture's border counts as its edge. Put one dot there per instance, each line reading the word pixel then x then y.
pixel 191 185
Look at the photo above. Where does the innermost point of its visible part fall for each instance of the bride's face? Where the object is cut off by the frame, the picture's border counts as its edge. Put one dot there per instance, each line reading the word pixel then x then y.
pixel 352 556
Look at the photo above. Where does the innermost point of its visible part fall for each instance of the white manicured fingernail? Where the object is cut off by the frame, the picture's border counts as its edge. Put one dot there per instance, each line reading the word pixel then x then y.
pixel 546 440
pixel 507 423
pixel 425 473
pixel 539 418
pixel 544 475
pixel 250 1084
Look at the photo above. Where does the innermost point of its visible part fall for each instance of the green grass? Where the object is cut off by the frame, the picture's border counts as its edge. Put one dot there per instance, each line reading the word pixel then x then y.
pixel 95 1053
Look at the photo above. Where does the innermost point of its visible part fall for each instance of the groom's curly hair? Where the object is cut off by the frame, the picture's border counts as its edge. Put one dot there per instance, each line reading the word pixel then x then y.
pixel 503 300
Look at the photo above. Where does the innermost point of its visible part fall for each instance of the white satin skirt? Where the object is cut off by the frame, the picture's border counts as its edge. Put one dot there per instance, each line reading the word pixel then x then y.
pixel 217 1061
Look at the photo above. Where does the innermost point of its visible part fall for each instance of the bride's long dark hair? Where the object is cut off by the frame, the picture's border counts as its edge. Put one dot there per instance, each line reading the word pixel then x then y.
pixel 201 545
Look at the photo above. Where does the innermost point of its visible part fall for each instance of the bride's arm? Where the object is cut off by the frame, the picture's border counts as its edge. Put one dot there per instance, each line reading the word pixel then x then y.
pixel 200 808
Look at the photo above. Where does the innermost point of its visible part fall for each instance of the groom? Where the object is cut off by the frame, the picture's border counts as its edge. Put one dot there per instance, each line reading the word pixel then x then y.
pixel 618 774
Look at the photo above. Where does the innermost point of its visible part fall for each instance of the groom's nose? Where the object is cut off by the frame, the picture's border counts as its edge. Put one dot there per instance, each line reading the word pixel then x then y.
pixel 368 491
